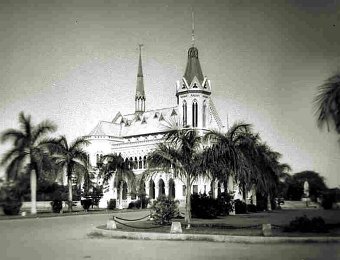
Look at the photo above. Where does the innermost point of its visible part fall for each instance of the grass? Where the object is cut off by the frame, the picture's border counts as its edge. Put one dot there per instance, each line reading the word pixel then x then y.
pixel 242 225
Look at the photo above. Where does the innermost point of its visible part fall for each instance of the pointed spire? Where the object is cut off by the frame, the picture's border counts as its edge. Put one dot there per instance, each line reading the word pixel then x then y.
pixel 193 65
pixel 140 95
pixel 193 28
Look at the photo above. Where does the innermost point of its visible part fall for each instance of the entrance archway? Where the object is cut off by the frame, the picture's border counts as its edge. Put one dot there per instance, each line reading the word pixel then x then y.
pixel 125 191
pixel 152 189
pixel 161 188
pixel 172 191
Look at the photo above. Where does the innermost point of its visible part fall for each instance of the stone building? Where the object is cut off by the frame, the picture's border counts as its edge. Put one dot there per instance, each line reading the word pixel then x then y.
pixel 135 135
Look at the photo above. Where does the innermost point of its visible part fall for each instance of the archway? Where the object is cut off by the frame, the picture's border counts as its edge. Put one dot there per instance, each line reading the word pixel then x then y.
pixel 172 191
pixel 161 188
pixel 152 189
pixel 125 191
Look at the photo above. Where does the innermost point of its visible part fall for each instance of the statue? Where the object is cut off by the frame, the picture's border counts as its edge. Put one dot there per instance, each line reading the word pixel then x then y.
pixel 306 192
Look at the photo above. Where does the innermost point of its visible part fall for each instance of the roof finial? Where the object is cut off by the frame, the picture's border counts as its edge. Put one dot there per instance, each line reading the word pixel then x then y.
pixel 140 71
pixel 193 28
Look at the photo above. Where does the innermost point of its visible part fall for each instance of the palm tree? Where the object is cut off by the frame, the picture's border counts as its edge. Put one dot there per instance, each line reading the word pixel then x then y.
pixel 327 103
pixel 29 154
pixel 69 157
pixel 241 153
pixel 115 165
pixel 230 153
pixel 182 153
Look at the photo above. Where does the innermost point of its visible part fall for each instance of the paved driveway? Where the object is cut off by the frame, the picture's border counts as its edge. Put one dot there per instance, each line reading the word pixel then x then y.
pixel 65 238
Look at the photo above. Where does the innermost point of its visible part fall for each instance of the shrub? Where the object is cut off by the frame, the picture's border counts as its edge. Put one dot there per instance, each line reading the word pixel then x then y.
pixel 224 204
pixel 10 199
pixel 328 198
pixel 86 203
pixel 111 204
pixel 203 206
pixel 57 205
pixel 133 205
pixel 164 209
pixel 251 208
pixel 304 224
pixel 240 207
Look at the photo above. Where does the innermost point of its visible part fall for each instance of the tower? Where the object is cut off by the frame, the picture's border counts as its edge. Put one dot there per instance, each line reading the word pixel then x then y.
pixel 140 94
pixel 193 92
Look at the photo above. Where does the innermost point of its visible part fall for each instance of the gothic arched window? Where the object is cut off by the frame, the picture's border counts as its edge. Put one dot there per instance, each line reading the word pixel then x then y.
pixel 140 162
pixel 144 162
pixel 184 113
pixel 204 113
pixel 194 113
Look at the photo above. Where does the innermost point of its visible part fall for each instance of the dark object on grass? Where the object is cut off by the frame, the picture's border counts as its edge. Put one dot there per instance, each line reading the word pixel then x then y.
pixel 86 203
pixel 240 207
pixel 328 198
pixel 57 206
pixel 10 199
pixel 203 206
pixel 304 224
pixel 111 204
pixel 251 208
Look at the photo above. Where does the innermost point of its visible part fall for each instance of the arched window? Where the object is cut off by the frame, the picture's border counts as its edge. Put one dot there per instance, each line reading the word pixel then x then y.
pixel 194 113
pixel 144 162
pixel 184 113
pixel 140 163
pixel 136 163
pixel 204 113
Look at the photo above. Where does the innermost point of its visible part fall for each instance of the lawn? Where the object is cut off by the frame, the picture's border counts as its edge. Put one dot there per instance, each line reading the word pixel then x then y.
pixel 243 224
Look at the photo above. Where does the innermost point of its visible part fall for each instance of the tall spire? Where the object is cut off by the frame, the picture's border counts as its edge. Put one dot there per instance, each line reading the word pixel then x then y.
pixel 140 95
pixel 193 28
pixel 193 65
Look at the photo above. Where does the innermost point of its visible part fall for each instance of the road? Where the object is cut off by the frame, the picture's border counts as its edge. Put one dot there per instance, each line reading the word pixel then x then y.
pixel 65 238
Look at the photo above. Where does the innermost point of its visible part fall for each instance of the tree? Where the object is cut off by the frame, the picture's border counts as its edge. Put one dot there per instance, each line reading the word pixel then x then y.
pixel 29 154
pixel 69 157
pixel 181 153
pixel 242 154
pixel 328 103
pixel 113 165
pixel 295 185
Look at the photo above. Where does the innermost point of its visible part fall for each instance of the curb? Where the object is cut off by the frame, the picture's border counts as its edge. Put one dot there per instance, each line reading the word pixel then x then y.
pixel 212 238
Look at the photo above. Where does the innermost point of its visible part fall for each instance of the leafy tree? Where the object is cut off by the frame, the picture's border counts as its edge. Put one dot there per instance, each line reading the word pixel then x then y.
pixel 295 185
pixel 328 103
pixel 181 153
pixel 242 154
pixel 29 154
pixel 69 158
pixel 113 165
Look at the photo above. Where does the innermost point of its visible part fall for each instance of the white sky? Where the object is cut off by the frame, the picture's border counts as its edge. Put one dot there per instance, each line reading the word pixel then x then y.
pixel 75 62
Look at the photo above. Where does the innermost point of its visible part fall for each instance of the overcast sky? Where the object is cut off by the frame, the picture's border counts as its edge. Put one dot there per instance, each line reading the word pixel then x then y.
pixel 75 62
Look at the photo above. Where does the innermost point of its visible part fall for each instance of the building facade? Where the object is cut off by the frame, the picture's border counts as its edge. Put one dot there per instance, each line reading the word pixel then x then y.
pixel 135 135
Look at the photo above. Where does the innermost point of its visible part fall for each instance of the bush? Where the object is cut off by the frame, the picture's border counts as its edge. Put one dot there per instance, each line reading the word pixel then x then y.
pixel 111 204
pixel 203 206
pixel 304 224
pixel 240 207
pixel 10 199
pixel 57 205
pixel 134 204
pixel 328 198
pixel 224 204
pixel 86 203
pixel 164 210
pixel 251 208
